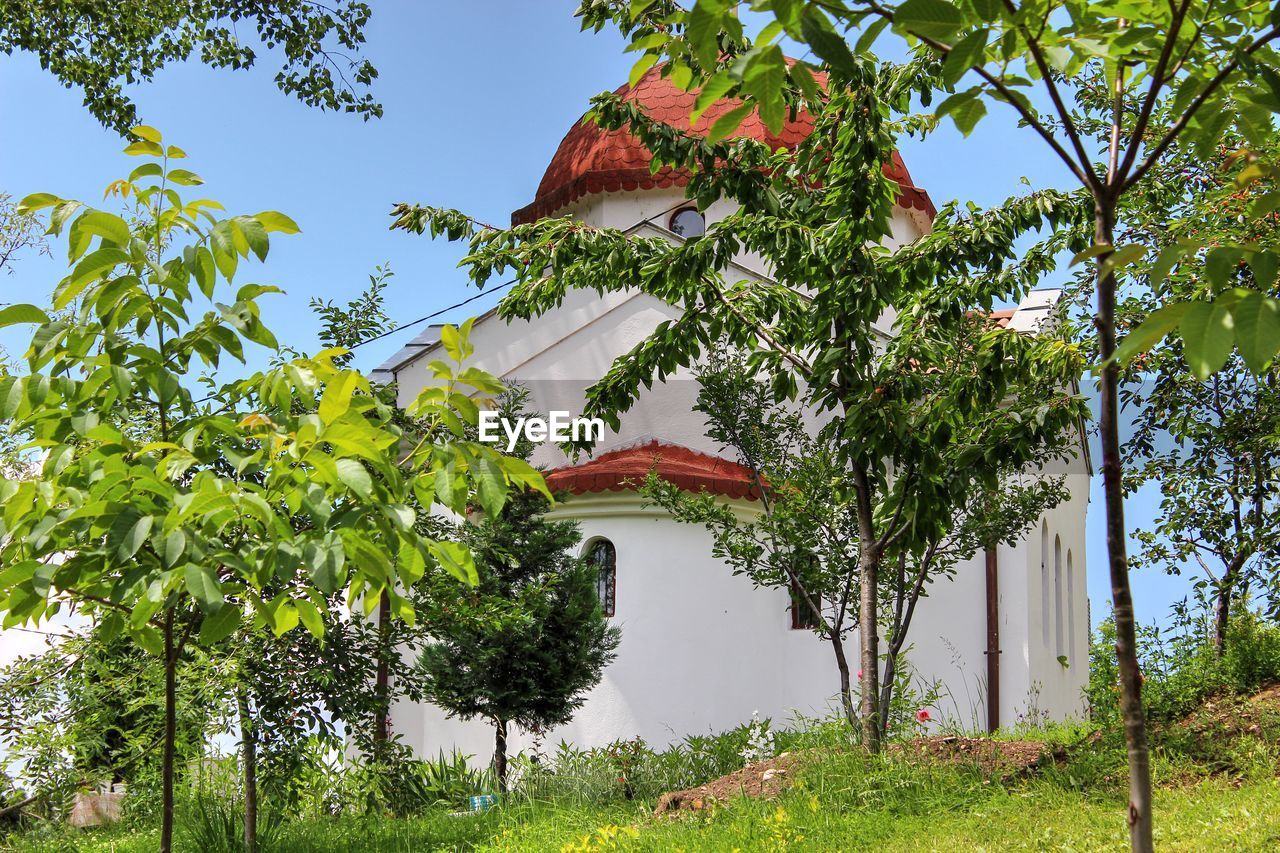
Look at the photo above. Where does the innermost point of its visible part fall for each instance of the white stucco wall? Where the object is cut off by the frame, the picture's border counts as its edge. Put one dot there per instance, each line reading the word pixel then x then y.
pixel 702 649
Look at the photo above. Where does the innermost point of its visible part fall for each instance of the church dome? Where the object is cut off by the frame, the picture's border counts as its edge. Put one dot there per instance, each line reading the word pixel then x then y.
pixel 591 160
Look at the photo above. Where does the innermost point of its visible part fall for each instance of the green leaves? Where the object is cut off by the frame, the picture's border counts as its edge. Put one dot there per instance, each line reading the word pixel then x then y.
pixel 726 124
pixel 1207 336
pixel 101 224
pixel 337 396
pixel 1257 329
pixel 272 220
pixel 1150 332
pixel 325 560
pixel 219 625
pixel 14 314
pixel 967 53
pixel 1239 318
pixel 455 559
pixel 935 19
pixel 965 108
pixel 128 533
pixel 827 44
pixel 353 475
pixel 204 588
pixel 712 91
pixel 763 78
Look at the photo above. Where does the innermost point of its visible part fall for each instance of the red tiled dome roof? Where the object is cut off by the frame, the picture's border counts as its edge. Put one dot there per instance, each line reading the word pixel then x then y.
pixel 592 160
pixel 626 469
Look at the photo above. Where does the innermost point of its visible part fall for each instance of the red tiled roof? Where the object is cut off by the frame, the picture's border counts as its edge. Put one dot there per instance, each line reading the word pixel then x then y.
pixel 626 469
pixel 1002 316
pixel 592 160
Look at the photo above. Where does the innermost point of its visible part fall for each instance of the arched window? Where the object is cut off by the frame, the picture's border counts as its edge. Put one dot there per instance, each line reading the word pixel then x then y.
pixel 688 223
pixel 1071 605
pixel 1057 597
pixel 1044 582
pixel 602 555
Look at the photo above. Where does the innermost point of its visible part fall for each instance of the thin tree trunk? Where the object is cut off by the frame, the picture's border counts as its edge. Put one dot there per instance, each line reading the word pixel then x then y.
pixel 500 753
pixel 846 686
pixel 170 736
pixel 382 685
pixel 249 752
pixel 1135 727
pixel 1222 610
pixel 869 633
pixel 904 610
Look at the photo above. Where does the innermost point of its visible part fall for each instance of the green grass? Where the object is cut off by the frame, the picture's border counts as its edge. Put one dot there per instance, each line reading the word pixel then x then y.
pixel 838 805
pixel 1217 789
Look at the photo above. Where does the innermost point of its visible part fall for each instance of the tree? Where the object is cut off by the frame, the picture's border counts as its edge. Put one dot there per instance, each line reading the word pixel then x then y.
pixel 168 515
pixel 804 539
pixel 90 711
pixel 529 640
pixel 816 215
pixel 18 232
pixel 1210 65
pixel 1208 444
pixel 100 47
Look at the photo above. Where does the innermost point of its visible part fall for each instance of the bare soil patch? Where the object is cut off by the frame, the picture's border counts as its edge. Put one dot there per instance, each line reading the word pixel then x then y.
pixel 764 779
pixel 994 758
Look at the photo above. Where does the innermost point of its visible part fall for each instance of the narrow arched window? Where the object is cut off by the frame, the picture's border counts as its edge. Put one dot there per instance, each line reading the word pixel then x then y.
pixel 805 568
pixel 1057 597
pixel 1044 583
pixel 602 555
pixel 688 222
pixel 1071 605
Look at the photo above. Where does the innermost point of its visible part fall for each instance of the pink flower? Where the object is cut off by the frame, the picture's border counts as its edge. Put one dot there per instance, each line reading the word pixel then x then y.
pixel 922 716
pixel 859 675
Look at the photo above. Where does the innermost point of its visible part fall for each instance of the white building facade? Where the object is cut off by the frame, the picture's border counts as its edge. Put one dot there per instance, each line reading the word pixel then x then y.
pixel 703 649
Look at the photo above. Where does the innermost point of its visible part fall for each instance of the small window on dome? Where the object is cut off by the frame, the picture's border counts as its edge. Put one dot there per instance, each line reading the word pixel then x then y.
pixel 688 223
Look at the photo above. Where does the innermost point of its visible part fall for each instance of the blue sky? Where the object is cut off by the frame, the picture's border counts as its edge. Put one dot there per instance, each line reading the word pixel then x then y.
pixel 477 97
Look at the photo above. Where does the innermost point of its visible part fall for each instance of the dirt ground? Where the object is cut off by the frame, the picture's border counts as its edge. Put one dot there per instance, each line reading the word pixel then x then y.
pixel 768 778
pixel 993 757
pixel 763 779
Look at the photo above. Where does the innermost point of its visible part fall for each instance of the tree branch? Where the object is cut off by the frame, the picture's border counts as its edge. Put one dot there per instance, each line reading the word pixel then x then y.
pixel 1200 100
pixel 1082 171
pixel 1157 83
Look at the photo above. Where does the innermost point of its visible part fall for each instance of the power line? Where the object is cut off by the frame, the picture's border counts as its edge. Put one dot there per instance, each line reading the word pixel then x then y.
pixel 648 220
pixel 435 314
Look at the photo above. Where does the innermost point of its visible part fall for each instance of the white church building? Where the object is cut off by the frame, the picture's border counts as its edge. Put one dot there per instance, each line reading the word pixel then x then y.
pixel 703 649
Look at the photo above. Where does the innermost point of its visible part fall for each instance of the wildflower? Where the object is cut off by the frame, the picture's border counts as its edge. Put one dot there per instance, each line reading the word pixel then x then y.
pixel 859 675
pixel 922 716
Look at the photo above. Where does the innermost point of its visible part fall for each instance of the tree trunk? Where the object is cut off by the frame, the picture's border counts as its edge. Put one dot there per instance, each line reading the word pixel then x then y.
pixel 382 685
pixel 1135 727
pixel 846 686
pixel 170 736
pixel 249 752
pixel 1222 609
pixel 886 686
pixel 904 610
pixel 869 633
pixel 500 753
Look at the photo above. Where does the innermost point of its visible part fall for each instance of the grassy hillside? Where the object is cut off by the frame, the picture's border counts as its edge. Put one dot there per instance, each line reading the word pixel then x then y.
pixel 1216 770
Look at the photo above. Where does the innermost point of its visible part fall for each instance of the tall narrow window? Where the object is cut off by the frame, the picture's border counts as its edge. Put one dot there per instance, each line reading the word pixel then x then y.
pixel 1071 605
pixel 1057 596
pixel 602 555
pixel 802 615
pixel 1044 582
